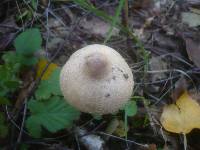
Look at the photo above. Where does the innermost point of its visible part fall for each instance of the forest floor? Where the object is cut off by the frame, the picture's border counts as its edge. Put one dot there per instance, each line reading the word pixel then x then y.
pixel 159 40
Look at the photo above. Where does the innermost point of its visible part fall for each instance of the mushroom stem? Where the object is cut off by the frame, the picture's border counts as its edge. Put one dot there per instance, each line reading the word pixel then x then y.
pixel 97 65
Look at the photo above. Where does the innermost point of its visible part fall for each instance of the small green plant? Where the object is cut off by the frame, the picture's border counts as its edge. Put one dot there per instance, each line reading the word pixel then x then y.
pixel 49 109
pixel 28 42
pixel 129 111
pixel 13 64
pixel 28 12
pixel 115 21
pixel 48 87
pixel 15 61
pixel 9 79
pixel 53 114
pixel 131 108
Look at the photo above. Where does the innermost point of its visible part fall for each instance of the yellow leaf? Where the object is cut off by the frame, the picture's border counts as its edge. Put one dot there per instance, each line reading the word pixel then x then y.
pixel 120 130
pixel 183 116
pixel 40 67
pixel 112 126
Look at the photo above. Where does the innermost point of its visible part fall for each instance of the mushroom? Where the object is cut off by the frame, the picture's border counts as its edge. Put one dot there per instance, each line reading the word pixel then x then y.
pixel 96 79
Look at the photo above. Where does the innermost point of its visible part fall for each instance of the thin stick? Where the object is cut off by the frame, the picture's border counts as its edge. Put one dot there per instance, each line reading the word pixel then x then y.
pixel 185 141
pixel 125 14
pixel 126 140
pixel 23 121
pixel 77 141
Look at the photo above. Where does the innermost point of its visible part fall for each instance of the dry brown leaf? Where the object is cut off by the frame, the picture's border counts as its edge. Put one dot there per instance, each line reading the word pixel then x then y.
pixel 142 4
pixel 97 27
pixel 193 51
pixel 180 86
pixel 183 116
pixel 152 147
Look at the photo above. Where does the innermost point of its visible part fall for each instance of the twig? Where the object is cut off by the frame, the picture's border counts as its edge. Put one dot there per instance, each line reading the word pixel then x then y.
pixel 22 124
pixel 153 97
pixel 126 140
pixel 9 26
pixel 90 132
pixel 37 143
pixel 77 141
pixel 97 127
pixel 66 135
pixel 150 116
pixel 185 73
pixel 19 13
pixel 185 141
pixel 9 118
pixel 47 24
pixel 125 14
pixel 13 122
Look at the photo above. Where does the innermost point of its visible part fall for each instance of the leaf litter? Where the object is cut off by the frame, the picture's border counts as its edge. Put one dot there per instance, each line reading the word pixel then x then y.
pixel 166 29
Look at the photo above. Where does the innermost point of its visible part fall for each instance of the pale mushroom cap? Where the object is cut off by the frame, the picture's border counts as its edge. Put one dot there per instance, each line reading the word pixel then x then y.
pixel 96 79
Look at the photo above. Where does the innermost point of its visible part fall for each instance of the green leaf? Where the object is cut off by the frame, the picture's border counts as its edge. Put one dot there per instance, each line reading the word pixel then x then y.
pixel 34 126
pixel 28 61
pixel 34 4
pixel 13 58
pixel 9 69
pixel 3 91
pixel 12 84
pixel 3 126
pixel 28 42
pixel 54 114
pixel 49 87
pixel 9 80
pixel 7 75
pixel 24 147
pixel 131 108
pixel 116 19
pixel 4 101
pixel 3 130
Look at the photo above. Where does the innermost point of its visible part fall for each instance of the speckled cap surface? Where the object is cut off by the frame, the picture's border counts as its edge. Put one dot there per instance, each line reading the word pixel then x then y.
pixel 96 79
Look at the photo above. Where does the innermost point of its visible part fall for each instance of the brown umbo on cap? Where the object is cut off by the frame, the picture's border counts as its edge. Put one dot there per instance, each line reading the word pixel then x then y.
pixel 96 79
